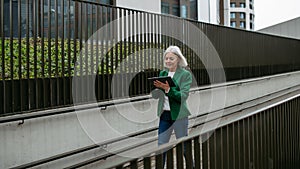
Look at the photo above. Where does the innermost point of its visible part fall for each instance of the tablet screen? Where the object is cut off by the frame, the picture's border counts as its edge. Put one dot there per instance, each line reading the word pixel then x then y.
pixel 163 79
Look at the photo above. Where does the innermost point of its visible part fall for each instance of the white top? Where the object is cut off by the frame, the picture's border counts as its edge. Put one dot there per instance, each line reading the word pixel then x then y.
pixel 166 102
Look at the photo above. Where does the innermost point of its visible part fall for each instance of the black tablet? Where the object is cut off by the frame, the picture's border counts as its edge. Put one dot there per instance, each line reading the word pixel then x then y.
pixel 163 79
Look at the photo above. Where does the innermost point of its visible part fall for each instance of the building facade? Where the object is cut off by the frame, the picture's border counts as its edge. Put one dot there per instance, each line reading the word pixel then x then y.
pixel 237 14
pixel 200 10
pixel 234 13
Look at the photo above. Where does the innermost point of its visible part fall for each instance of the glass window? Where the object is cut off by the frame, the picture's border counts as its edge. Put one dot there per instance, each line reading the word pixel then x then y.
pixel 108 2
pixel 251 26
pixel 242 5
pixel 251 6
pixel 183 11
pixel 232 4
pixel 175 10
pixel 251 16
pixel 233 24
pixel 232 15
pixel 242 15
pixel 193 9
pixel 165 8
pixel 242 24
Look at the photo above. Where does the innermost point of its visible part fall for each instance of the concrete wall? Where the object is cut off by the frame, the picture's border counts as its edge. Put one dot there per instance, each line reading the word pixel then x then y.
pixel 47 136
pixel 149 6
pixel 289 29
pixel 208 11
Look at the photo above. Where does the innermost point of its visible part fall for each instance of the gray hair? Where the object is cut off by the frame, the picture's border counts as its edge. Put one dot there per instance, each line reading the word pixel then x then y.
pixel 175 50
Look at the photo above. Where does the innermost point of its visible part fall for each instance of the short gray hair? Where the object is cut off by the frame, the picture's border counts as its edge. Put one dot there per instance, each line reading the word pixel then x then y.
pixel 175 50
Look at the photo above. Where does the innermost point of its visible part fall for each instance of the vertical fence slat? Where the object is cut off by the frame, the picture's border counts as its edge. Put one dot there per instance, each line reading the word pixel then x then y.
pixel 42 7
pixel 251 142
pixel 179 155
pixel 28 91
pixel 116 55
pixel 242 142
pixel 133 56
pixel 189 162
pixel 205 151
pixel 88 51
pixel 147 163
pixel 297 119
pixel 98 43
pixel 197 153
pixel 49 53
pixel 134 164
pixel 137 53
pixel 170 158
pixel 69 21
pixel 265 139
pixel 213 151
pixel 80 95
pixel 226 148
pixel 276 136
pixel 287 135
pixel 219 148
pixel 34 32
pixel 102 55
pixel 296 133
pixel 85 56
pixel 20 98
pixel 11 26
pixel 106 54
pixel 57 87
pixel 293 134
pixel 141 54
pixel 159 163
pixel 280 137
pixel 236 144
pixel 63 98
pixel 271 137
pixel 257 142
pixel 3 90
pixel 247 143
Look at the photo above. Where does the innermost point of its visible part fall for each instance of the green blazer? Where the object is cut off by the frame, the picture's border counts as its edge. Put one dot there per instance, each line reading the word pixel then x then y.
pixel 177 95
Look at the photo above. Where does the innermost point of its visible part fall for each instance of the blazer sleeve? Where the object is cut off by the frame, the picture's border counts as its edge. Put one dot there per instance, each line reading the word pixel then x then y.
pixel 158 93
pixel 182 93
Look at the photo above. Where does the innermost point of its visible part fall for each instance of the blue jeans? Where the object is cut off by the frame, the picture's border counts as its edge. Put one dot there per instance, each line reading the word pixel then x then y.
pixel 166 127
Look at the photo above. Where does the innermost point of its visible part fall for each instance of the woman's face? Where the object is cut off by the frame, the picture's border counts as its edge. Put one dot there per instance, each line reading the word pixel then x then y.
pixel 171 61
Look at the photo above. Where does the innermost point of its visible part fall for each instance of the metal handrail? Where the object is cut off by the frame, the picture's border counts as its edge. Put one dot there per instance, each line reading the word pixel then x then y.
pixel 104 105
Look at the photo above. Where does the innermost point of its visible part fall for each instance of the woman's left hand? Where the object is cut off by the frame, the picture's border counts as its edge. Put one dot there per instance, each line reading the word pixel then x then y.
pixel 164 86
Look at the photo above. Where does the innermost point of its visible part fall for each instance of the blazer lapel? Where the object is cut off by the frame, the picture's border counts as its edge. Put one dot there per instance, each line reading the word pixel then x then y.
pixel 177 73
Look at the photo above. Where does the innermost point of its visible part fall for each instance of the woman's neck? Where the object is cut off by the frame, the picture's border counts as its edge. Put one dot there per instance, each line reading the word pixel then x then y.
pixel 173 69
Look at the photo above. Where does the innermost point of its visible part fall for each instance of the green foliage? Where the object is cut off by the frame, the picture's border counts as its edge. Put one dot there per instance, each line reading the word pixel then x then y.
pixel 43 58
pixel 27 58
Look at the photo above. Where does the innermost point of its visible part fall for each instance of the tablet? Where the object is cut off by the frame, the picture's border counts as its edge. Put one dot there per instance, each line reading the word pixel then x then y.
pixel 163 79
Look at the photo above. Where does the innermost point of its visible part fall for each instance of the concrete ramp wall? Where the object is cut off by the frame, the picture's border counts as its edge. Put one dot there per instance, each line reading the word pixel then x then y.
pixel 33 139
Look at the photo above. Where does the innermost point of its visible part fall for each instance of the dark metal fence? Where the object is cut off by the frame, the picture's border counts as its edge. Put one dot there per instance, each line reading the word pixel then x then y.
pixel 53 51
pixel 267 139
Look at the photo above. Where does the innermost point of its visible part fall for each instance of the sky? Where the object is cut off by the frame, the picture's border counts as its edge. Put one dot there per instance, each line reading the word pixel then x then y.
pixel 271 12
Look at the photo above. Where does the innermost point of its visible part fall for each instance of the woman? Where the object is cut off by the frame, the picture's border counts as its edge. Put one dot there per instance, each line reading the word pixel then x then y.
pixel 172 107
